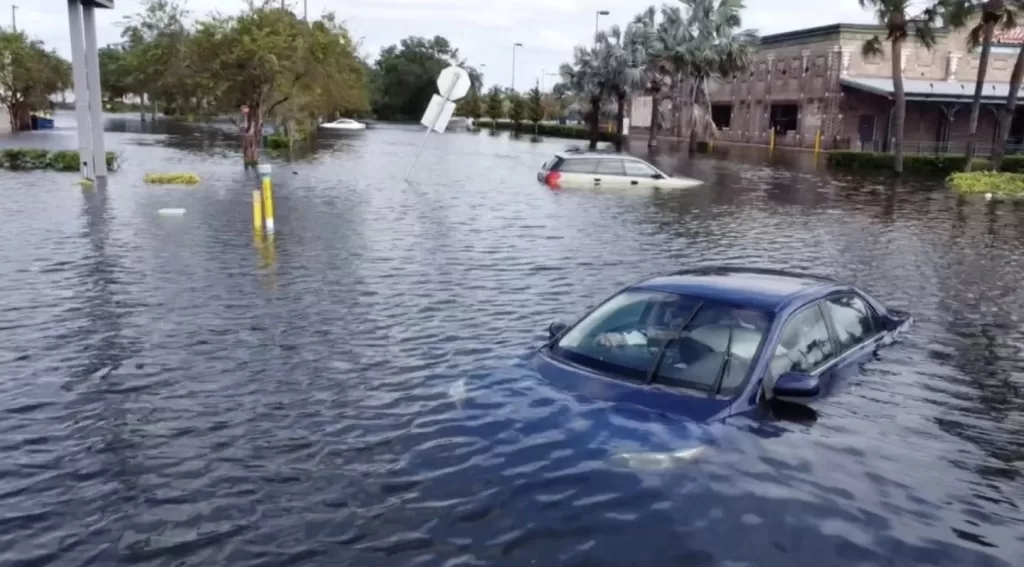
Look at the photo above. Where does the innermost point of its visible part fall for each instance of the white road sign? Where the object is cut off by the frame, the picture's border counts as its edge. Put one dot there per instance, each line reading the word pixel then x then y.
pixel 439 113
pixel 453 83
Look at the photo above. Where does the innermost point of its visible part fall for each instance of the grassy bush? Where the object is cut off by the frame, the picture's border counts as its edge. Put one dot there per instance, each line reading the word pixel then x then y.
pixel 171 178
pixel 995 182
pixel 549 130
pixel 20 159
pixel 923 164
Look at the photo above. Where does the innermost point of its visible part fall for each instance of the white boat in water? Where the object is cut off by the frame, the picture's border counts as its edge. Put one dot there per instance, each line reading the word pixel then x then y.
pixel 343 124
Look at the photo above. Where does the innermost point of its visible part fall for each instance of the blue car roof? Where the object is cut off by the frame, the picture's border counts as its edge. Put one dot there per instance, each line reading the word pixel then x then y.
pixel 765 289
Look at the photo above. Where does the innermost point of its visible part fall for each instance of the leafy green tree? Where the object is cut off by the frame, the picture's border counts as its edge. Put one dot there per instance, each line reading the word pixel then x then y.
pixel 472 106
pixel 29 74
pixel 495 105
pixel 535 108
pixel 113 72
pixel 405 76
pixel 896 15
pixel 516 109
pixel 155 60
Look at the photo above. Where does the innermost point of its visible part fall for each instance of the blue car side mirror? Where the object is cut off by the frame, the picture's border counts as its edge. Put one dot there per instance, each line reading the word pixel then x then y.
pixel 556 328
pixel 796 385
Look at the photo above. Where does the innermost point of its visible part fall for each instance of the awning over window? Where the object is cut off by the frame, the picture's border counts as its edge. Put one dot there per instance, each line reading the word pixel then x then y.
pixel 928 90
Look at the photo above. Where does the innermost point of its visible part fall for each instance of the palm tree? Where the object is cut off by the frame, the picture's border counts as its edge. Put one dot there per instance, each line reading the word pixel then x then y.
pixel 621 56
pixel 993 12
pixel 674 41
pixel 1011 12
pixel 898 26
pixel 718 50
pixel 585 77
pixel 665 57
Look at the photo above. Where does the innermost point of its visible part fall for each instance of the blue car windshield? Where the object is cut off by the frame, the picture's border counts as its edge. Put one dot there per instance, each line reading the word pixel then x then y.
pixel 692 343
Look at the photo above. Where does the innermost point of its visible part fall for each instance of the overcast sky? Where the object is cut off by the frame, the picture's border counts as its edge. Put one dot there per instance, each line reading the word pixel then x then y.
pixel 483 31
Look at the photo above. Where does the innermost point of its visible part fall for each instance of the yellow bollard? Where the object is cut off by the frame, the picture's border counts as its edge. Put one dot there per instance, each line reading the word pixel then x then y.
pixel 257 212
pixel 711 146
pixel 817 142
pixel 268 197
pixel 771 140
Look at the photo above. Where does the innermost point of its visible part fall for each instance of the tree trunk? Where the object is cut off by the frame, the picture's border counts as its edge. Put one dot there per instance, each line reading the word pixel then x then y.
pixel 677 106
pixel 253 136
pixel 899 111
pixel 979 86
pixel 620 118
pixel 595 121
pixel 691 146
pixel 21 117
pixel 1006 114
pixel 652 136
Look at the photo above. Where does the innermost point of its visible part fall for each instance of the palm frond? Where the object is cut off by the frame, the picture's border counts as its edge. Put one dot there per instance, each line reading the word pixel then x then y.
pixel 872 47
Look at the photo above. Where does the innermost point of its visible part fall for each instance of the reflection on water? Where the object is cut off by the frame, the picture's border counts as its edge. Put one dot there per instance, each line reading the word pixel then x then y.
pixel 354 390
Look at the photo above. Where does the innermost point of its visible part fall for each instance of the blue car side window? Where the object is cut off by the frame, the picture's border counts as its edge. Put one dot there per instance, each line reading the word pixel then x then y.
pixel 804 344
pixel 852 319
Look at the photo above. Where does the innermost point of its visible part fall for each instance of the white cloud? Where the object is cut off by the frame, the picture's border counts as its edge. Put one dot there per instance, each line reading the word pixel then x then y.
pixel 483 31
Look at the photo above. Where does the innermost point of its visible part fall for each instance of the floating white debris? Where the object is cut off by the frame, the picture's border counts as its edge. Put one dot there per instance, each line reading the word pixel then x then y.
pixel 171 212
pixel 658 461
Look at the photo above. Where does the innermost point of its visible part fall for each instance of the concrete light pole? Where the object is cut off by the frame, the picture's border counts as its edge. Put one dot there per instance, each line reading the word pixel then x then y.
pixel 597 17
pixel 514 46
pixel 85 67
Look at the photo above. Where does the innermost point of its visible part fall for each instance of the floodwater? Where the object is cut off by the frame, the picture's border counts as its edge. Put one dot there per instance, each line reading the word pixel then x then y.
pixel 175 392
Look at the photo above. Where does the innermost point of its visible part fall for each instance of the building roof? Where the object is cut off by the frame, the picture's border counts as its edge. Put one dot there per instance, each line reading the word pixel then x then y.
pixel 761 288
pixel 808 35
pixel 926 90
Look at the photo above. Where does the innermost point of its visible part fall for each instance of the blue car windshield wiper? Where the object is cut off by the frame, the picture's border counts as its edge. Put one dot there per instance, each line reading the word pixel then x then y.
pixel 725 364
pixel 661 352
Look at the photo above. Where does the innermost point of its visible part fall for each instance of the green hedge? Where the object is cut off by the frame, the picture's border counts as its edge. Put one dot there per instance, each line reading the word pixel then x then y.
pixel 995 182
pixel 550 130
pixel 924 164
pixel 20 159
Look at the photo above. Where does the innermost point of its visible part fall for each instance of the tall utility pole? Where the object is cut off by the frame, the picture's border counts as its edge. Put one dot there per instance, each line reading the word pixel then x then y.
pixel 305 10
pixel 514 46
pixel 597 17
pixel 14 18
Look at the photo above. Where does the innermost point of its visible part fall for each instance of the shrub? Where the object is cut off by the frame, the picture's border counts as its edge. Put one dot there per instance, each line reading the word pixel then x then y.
pixel 276 142
pixel 922 164
pixel 171 178
pixel 550 130
pixel 995 182
pixel 64 160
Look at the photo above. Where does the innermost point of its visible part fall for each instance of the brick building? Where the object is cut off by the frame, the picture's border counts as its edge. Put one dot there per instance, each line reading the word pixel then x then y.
pixel 816 79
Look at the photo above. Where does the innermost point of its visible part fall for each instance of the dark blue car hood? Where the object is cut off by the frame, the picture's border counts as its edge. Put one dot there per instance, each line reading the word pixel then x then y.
pixel 656 401
pixel 586 415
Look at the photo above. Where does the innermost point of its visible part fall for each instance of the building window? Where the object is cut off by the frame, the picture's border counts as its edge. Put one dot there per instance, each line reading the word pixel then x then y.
pixel 783 117
pixel 721 114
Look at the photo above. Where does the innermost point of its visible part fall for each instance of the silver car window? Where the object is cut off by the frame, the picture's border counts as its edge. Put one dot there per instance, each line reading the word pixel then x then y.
pixel 639 169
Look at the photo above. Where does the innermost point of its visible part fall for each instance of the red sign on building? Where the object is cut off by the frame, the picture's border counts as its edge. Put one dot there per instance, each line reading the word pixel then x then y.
pixel 1014 36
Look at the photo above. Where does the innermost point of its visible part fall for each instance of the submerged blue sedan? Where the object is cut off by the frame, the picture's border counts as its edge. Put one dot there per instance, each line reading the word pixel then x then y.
pixel 712 342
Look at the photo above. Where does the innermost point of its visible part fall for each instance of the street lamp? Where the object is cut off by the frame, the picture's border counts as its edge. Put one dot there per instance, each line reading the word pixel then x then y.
pixel 597 16
pixel 514 46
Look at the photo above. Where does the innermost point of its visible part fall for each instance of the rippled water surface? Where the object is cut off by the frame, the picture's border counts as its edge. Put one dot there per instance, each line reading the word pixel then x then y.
pixel 174 392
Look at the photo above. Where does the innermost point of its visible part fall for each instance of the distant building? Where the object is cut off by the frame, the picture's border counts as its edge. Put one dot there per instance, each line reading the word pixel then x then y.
pixel 810 80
